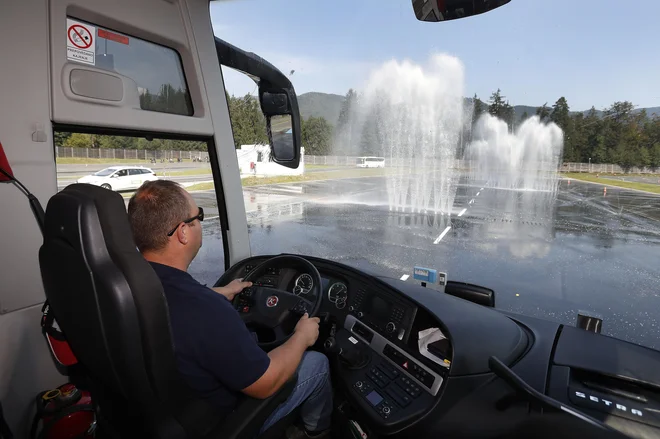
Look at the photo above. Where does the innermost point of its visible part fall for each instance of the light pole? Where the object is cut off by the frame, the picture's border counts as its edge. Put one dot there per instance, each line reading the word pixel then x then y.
pixel 590 165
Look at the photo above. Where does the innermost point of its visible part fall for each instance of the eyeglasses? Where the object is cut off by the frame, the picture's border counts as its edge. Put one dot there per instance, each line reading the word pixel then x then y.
pixel 199 216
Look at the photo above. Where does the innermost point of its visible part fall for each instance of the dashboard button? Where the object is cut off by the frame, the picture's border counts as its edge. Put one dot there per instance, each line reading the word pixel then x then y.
pixel 376 380
pixel 398 396
pixel 388 371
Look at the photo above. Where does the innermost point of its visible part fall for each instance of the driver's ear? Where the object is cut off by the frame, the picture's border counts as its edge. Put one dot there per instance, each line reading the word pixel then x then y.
pixel 182 234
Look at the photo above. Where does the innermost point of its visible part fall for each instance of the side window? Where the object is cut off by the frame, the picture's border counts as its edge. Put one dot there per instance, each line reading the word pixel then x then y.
pixel 122 173
pixel 80 157
pixel 157 70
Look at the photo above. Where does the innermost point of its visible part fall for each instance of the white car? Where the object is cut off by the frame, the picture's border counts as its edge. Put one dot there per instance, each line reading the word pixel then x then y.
pixel 120 178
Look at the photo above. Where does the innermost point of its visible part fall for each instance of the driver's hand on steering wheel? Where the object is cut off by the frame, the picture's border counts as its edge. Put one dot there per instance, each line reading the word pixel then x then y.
pixel 232 288
pixel 307 329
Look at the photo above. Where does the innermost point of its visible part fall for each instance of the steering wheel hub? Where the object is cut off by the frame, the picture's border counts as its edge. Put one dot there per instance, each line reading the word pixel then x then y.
pixel 276 309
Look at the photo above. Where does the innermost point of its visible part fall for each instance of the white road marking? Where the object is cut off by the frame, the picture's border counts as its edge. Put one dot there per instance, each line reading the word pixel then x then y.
pixel 481 189
pixel 471 201
pixel 478 193
pixel 462 212
pixel 212 217
pixel 405 277
pixel 442 235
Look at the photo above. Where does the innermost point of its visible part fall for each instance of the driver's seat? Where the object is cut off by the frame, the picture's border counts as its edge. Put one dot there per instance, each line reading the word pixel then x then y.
pixel 110 305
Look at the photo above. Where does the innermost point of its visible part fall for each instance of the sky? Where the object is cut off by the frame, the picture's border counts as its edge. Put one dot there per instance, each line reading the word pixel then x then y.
pixel 593 52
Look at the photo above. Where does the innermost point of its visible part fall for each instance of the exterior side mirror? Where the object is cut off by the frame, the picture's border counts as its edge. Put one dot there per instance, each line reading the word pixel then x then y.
pixel 282 125
pixel 277 99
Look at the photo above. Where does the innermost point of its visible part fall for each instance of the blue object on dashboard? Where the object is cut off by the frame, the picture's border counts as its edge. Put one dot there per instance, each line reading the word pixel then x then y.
pixel 425 274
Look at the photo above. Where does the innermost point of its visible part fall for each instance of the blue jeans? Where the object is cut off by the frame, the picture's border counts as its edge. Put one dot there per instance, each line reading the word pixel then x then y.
pixel 313 392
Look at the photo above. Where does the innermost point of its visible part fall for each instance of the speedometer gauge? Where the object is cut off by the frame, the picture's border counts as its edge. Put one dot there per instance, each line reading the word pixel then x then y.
pixel 303 285
pixel 337 294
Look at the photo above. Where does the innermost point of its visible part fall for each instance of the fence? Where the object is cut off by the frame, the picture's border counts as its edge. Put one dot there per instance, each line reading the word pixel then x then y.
pixel 328 160
pixel 605 168
pixel 128 154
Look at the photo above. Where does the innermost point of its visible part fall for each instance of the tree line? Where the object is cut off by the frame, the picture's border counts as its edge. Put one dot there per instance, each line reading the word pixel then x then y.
pixel 247 121
pixel 620 135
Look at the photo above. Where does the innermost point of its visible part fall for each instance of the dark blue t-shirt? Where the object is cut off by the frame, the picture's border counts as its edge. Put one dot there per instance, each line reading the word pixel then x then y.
pixel 214 350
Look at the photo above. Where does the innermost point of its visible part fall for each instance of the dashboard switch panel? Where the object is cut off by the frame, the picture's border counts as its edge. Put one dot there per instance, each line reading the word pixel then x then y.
pixel 412 376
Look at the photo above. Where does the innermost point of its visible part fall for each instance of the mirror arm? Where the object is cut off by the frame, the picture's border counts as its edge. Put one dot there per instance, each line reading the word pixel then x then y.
pixel 251 64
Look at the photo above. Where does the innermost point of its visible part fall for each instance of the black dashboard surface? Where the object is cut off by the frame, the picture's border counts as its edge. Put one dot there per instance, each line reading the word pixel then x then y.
pixel 470 400
pixel 475 332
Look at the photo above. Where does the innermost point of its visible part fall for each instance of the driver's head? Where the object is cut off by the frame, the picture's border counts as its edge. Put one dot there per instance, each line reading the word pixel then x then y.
pixel 165 222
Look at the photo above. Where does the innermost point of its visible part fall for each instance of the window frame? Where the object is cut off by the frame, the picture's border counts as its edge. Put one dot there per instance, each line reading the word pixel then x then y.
pixel 213 161
pixel 189 100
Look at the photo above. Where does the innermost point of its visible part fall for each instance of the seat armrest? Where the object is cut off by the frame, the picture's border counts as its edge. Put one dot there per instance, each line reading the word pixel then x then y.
pixel 251 414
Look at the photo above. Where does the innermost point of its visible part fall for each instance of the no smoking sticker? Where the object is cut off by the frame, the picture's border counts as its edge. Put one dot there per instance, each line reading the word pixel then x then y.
pixel 80 42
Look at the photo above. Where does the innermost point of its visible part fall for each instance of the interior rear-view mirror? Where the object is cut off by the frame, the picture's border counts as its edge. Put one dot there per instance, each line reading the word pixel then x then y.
pixel 443 10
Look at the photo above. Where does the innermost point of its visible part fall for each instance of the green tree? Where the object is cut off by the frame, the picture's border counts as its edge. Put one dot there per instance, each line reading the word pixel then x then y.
pixel 347 108
pixel 500 108
pixel 247 121
pixel 79 140
pixel 347 130
pixel 60 138
pixel 478 108
pixel 560 115
pixel 369 140
pixel 654 159
pixel 643 157
pixel 166 100
pixel 543 112
pixel 316 136
pixel 151 145
pixel 118 142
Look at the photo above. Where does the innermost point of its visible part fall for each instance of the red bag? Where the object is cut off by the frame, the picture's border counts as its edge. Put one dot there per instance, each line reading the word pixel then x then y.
pixel 59 346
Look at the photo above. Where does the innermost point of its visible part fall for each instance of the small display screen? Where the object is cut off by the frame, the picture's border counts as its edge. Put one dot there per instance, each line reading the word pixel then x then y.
pixel 374 398
pixel 378 307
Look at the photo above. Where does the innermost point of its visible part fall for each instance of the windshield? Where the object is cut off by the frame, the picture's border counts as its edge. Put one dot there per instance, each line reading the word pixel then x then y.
pixel 521 149
pixel 105 172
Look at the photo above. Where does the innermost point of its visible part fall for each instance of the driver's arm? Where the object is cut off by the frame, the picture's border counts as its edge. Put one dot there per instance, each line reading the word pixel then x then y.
pixel 285 359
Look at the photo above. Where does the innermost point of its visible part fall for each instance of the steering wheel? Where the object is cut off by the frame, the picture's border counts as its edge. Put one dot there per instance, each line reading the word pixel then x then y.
pixel 271 307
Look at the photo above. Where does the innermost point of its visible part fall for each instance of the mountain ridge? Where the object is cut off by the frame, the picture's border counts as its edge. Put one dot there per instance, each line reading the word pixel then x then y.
pixel 328 106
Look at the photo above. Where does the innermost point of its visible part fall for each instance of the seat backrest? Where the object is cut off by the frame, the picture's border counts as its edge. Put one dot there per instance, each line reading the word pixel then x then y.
pixel 111 306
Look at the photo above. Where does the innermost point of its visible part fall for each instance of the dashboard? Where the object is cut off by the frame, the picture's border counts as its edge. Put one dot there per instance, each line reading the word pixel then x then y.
pixel 408 360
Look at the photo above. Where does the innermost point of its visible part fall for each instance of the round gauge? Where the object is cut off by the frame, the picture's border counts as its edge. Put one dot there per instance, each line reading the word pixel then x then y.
pixel 303 284
pixel 337 294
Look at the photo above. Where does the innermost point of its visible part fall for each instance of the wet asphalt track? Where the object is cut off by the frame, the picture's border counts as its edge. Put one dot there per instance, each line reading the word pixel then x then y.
pixel 544 256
